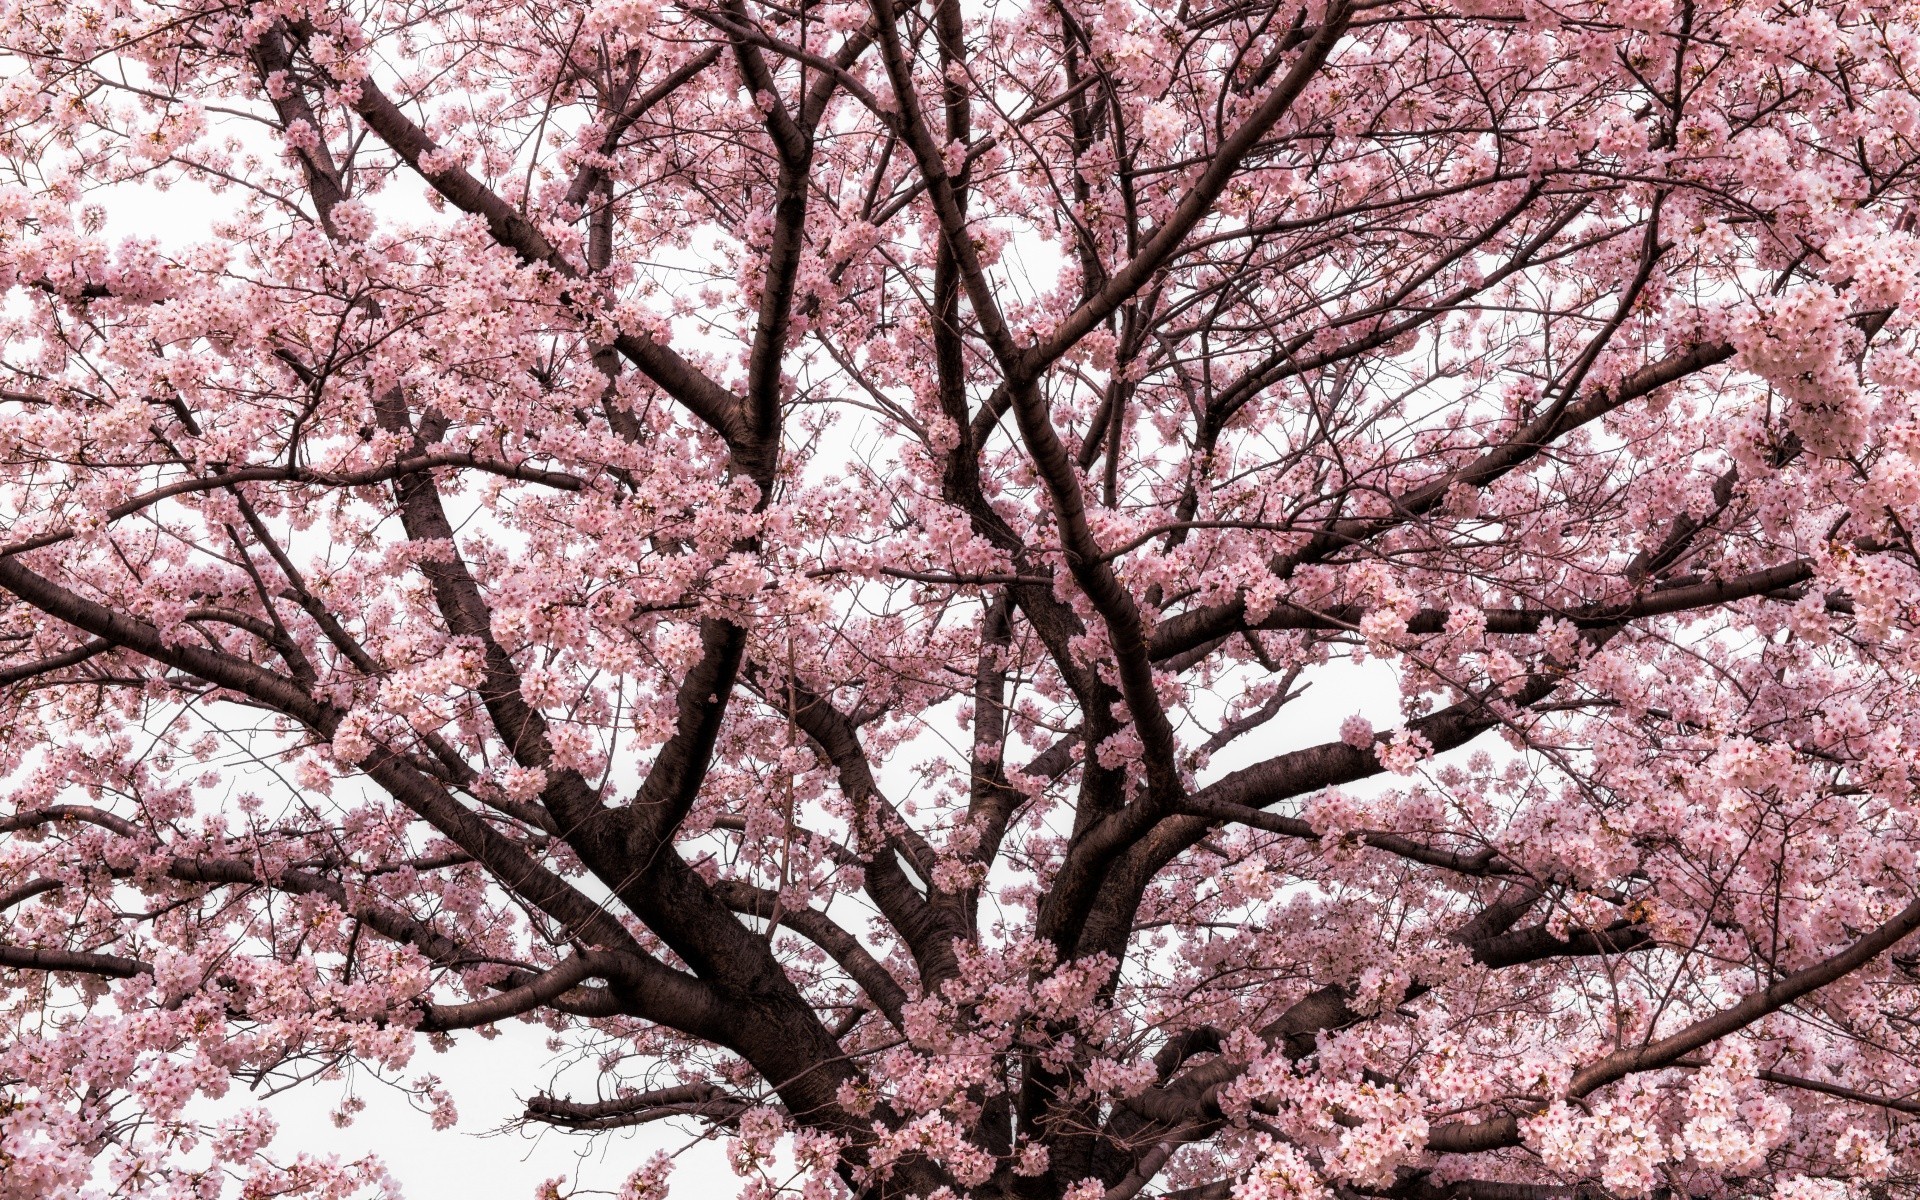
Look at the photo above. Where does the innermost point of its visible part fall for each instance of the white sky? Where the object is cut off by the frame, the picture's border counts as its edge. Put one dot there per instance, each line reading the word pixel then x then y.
pixel 489 1081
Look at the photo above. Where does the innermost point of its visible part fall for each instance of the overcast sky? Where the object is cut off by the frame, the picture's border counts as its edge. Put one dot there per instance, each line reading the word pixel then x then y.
pixel 490 1081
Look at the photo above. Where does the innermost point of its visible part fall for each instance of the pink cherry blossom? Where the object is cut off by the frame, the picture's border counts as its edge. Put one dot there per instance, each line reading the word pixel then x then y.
pixel 820 554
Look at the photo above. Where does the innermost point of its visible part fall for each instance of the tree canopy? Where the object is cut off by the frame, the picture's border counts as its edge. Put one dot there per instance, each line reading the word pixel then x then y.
pixel 808 548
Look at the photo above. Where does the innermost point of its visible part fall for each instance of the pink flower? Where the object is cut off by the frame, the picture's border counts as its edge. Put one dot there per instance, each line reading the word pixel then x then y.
pixel 1357 731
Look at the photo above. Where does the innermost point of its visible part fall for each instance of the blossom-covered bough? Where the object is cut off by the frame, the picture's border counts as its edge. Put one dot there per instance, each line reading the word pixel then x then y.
pixel 810 549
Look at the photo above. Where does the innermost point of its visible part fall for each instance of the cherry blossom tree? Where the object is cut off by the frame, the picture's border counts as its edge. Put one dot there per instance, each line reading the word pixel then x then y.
pixel 809 550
